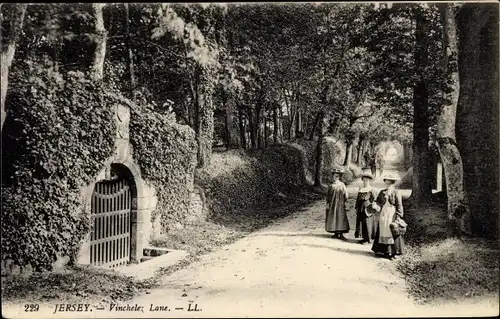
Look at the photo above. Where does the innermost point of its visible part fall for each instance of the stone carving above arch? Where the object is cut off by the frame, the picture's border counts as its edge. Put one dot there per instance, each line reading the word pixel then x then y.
pixel 122 115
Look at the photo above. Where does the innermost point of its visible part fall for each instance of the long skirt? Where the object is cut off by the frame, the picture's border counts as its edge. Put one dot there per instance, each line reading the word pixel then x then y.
pixel 374 225
pixel 366 225
pixel 390 249
pixel 336 219
pixel 385 242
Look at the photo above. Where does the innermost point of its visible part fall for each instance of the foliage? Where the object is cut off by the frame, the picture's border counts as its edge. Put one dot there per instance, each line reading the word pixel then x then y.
pixel 390 34
pixel 57 135
pixel 166 153
pixel 236 181
pixel 333 155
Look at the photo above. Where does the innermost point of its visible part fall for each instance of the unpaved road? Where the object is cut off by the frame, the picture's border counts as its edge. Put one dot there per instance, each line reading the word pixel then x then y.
pixel 289 269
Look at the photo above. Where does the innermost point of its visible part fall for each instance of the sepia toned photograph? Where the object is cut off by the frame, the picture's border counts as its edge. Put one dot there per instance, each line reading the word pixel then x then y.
pixel 250 160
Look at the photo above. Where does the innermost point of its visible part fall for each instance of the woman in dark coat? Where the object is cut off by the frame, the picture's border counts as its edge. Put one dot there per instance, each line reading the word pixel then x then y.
pixel 336 217
pixel 391 204
pixel 364 214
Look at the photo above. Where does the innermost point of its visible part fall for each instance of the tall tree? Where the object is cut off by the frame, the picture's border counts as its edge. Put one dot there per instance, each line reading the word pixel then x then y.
pixel 15 18
pixel 100 41
pixel 200 55
pixel 477 126
pixel 445 134
pixel 422 188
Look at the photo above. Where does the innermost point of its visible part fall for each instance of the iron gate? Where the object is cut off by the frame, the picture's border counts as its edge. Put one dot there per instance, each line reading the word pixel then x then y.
pixel 110 239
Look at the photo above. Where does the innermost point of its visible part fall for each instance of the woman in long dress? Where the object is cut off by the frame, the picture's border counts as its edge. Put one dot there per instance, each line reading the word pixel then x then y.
pixel 364 215
pixel 336 217
pixel 391 204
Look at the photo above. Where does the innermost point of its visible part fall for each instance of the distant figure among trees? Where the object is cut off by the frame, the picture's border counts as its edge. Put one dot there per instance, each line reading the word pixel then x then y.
pixel 380 162
pixel 373 164
pixel 366 157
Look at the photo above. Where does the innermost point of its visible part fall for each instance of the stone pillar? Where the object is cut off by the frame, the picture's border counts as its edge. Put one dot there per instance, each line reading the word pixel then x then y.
pixel 83 257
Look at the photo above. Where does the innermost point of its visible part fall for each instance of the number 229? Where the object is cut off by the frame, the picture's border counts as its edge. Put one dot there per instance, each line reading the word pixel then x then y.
pixel 31 307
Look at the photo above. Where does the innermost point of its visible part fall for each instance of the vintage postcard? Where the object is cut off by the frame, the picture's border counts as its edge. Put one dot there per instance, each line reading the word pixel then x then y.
pixel 241 160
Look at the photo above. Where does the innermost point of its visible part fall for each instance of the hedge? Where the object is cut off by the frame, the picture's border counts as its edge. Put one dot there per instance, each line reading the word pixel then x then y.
pixel 166 154
pixel 58 133
pixel 237 180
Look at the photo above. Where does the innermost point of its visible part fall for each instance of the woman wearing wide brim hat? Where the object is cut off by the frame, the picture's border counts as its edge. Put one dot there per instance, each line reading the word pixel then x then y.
pixel 367 175
pixel 390 177
pixel 336 216
pixel 364 211
pixel 391 203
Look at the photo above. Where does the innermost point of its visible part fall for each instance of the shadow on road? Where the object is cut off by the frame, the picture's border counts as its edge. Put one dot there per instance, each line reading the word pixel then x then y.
pixel 328 236
pixel 345 250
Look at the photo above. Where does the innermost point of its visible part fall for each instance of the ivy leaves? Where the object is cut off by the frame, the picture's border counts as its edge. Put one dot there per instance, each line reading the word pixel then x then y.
pixel 166 153
pixel 58 134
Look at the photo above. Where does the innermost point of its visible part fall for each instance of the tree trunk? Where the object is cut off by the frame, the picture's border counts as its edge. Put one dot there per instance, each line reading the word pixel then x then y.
pixel 241 120
pixel 318 176
pixel 251 124
pixel 280 123
pixel 205 131
pixel 229 119
pixel 265 131
pixel 477 129
pixel 445 133
pixel 292 114
pixel 203 120
pixel 334 125
pixel 8 51
pixel 359 158
pixel 298 126
pixel 355 151
pixel 101 38
pixel 291 127
pixel 130 56
pixel 315 126
pixel 422 188
pixel 258 124
pixel 275 124
pixel 348 154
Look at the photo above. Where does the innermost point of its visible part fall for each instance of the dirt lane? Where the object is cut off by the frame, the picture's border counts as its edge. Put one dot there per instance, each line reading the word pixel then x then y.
pixel 289 269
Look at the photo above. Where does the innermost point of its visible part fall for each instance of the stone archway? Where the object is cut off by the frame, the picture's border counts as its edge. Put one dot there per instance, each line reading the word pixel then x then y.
pixel 112 201
pixel 143 197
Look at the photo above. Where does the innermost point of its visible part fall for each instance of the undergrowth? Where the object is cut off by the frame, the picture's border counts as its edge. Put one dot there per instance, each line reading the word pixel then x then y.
pixel 437 268
pixel 72 285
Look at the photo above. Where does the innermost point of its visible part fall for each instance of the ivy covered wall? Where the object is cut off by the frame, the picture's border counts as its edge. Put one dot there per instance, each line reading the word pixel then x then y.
pixel 57 135
pixel 166 154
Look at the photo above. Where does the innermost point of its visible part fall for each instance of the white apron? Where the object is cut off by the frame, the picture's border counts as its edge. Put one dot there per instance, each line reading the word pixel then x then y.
pixel 386 218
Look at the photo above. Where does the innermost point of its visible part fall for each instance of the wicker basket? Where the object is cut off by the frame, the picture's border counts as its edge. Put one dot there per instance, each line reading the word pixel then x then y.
pixel 397 229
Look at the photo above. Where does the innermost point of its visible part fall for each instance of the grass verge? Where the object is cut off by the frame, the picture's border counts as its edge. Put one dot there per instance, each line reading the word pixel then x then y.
pixel 439 269
pixel 72 285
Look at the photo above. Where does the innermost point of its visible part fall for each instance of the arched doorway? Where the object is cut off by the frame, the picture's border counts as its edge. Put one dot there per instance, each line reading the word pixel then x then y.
pixel 113 202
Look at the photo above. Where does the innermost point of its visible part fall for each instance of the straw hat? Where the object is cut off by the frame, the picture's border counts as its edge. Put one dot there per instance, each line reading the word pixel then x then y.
pixel 390 177
pixel 367 175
